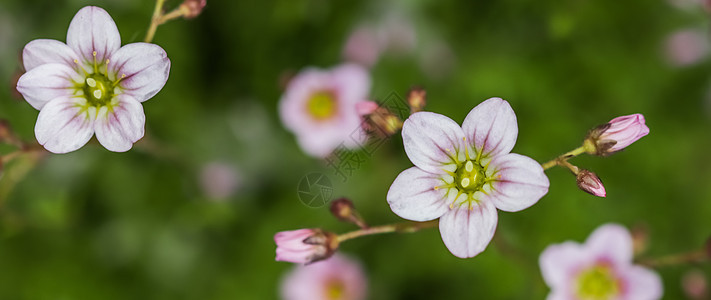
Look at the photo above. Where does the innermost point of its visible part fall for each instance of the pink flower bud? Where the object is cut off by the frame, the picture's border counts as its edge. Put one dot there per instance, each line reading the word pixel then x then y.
pixel 305 245
pixel 192 8
pixel 366 107
pixel 617 134
pixel 590 183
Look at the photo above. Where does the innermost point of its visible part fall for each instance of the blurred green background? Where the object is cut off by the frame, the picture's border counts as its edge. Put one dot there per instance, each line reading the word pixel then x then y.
pixel 94 224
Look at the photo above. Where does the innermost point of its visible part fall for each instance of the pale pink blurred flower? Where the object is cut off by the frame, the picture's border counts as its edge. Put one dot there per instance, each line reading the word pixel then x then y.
pixel 590 183
pixel 437 59
pixel 599 269
pixel 219 180
pixel 337 278
pixel 305 245
pixel 91 84
pixel 621 132
pixel 463 174
pixel 366 107
pixel 319 106
pixel 687 47
pixel 363 46
pixel 398 35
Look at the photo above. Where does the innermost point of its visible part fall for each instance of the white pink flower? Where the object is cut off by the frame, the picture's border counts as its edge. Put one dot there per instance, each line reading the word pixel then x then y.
pixel 319 106
pixel 337 278
pixel 91 85
pixel 463 174
pixel 601 268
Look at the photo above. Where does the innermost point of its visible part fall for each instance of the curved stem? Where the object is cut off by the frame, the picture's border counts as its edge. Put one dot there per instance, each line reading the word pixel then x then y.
pixel 155 21
pixel 676 259
pixel 561 160
pixel 398 227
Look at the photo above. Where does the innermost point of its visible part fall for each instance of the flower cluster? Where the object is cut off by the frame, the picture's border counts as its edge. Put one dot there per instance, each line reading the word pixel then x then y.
pixel 91 85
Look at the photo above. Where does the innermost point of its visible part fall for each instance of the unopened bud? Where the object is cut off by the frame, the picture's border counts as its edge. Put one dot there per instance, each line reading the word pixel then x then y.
pixel 383 122
pixel 417 99
pixel 365 108
pixel 694 285
pixel 640 238
pixel 305 245
pixel 616 135
pixel 192 8
pixel 590 183
pixel 344 210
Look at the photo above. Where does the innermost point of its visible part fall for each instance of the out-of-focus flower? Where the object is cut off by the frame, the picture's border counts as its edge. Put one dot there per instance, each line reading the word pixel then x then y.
pixel 337 278
pixel 590 183
pixel 694 285
pixel 363 46
pixel 219 180
pixel 463 174
pixel 192 8
pixel 305 245
pixel 417 99
pixel 599 269
pixel 319 106
pixel 616 135
pixel 687 47
pixel 91 84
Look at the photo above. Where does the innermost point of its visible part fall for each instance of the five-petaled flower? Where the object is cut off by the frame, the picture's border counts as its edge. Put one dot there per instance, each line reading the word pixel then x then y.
pixel 91 84
pixel 319 106
pixel 336 278
pixel 599 269
pixel 463 174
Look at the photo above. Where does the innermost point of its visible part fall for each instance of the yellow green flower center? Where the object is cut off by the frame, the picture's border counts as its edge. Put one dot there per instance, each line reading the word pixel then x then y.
pixel 469 177
pixel 335 290
pixel 98 90
pixel 322 105
pixel 597 283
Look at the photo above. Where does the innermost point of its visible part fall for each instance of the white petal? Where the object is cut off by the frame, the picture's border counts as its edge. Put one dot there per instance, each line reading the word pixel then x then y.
pixel 42 51
pixel 93 29
pixel 47 82
pixel 145 66
pixel 65 124
pixel 412 196
pixel 559 264
pixel 466 232
pixel 432 140
pixel 642 284
pixel 492 127
pixel 119 128
pixel 612 242
pixel 520 182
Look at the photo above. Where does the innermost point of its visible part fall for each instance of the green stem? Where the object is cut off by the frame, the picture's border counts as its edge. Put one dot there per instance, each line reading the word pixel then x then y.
pixel 399 227
pixel 155 21
pixel 561 160
pixel 676 259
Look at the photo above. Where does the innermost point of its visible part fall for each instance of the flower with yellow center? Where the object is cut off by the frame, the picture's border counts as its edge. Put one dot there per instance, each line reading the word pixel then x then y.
pixel 463 174
pixel 599 269
pixel 91 85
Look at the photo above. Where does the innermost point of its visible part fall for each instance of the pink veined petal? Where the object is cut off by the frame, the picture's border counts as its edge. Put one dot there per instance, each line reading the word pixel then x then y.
pixel 145 66
pixel 119 128
pixel 412 196
pixel 559 263
pixel 432 140
pixel 491 127
pixel 520 182
pixel 611 241
pixel 65 124
pixel 43 51
pixel 47 82
pixel 642 284
pixel 93 29
pixel 466 232
pixel 352 82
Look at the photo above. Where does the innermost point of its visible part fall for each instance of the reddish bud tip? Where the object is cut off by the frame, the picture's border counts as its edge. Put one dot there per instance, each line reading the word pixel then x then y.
pixel 590 183
pixel 192 8
pixel 417 99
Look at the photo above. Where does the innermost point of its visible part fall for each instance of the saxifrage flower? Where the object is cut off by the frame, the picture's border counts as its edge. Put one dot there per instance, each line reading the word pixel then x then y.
pixel 319 106
pixel 463 174
pixel 91 85
pixel 599 269
pixel 336 278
